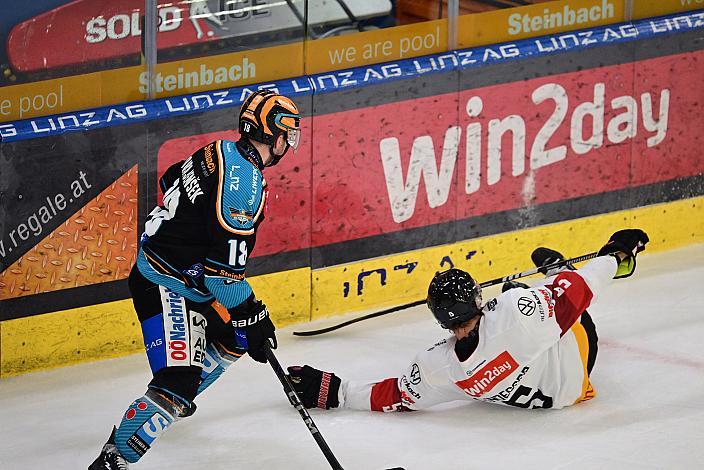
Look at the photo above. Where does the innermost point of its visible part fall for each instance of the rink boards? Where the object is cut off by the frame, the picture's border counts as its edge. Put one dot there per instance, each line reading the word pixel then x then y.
pixel 467 159
pixel 110 329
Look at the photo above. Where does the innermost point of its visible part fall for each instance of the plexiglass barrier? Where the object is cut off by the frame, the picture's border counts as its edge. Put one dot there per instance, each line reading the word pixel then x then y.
pixel 66 55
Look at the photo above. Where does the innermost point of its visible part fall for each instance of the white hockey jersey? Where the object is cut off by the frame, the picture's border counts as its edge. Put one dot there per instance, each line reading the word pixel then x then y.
pixel 532 353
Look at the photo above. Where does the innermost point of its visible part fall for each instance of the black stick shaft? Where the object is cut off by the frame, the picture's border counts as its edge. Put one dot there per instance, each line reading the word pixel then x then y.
pixel 530 272
pixel 498 280
pixel 296 403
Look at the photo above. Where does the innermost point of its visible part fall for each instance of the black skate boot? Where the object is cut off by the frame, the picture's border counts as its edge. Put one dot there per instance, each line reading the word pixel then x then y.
pixel 542 256
pixel 109 458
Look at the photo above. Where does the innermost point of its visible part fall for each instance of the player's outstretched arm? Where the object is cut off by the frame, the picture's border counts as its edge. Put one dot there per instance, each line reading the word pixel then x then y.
pixel 624 245
pixel 424 383
pixel 574 291
pixel 325 390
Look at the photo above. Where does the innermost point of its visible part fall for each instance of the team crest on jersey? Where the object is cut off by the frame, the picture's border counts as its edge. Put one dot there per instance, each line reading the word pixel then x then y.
pixel 526 306
pixel 241 216
pixel 194 271
pixel 415 375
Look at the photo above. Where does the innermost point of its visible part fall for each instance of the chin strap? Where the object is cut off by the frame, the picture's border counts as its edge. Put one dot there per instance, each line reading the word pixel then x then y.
pixel 250 153
pixel 275 159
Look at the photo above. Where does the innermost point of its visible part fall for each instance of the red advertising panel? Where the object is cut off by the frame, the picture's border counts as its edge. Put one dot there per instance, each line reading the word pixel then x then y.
pixel 518 145
pixel 408 164
pixel 93 30
pixel 79 31
pixel 680 152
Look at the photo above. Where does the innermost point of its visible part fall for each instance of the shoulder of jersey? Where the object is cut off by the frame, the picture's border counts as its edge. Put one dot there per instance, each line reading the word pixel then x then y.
pixel 241 186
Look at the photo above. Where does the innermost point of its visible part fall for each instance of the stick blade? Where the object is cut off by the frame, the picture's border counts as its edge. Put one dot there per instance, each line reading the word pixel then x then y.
pixel 308 333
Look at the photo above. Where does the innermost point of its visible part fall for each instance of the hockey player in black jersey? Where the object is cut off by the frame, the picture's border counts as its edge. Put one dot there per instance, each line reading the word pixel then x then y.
pixel 197 311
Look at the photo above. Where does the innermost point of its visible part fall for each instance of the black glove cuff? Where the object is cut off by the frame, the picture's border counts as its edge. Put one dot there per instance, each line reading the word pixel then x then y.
pixel 613 247
pixel 329 388
pixel 316 388
pixel 248 313
pixel 247 308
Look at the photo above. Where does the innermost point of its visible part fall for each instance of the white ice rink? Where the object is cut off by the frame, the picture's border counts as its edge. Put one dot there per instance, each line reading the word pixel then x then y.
pixel 649 412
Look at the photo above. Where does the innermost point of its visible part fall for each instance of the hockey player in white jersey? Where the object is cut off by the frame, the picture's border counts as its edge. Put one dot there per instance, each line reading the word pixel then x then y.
pixel 528 347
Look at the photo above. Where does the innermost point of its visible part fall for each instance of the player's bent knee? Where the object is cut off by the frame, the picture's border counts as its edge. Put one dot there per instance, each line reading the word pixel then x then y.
pixel 178 383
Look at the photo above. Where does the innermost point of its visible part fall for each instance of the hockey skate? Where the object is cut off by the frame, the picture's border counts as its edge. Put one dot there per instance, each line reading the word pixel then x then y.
pixel 542 256
pixel 109 458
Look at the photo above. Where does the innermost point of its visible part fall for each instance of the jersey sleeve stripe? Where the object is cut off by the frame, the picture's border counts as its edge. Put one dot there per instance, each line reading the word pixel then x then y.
pixel 221 183
pixel 262 203
pixel 572 295
pixel 580 336
pixel 228 266
pixel 385 395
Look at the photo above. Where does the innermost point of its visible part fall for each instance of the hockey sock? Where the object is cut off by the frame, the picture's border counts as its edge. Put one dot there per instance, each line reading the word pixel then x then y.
pixel 217 359
pixel 145 420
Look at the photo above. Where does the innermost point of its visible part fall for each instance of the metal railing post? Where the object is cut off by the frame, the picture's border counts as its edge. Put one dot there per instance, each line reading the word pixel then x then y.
pixel 628 13
pixel 453 11
pixel 149 32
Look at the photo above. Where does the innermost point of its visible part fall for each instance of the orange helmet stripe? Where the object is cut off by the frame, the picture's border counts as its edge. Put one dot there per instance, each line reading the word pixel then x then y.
pixel 266 107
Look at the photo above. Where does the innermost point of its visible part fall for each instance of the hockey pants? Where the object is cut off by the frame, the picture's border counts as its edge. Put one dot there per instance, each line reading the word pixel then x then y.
pixel 188 347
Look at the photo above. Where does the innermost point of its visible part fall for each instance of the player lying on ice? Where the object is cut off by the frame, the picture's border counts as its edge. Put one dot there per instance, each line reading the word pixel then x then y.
pixel 528 347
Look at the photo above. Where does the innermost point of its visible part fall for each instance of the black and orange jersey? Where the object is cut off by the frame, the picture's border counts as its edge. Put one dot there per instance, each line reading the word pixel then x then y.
pixel 197 243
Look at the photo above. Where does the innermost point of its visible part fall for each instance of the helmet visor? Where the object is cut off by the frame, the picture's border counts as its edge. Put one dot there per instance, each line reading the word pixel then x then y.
pixel 291 123
pixel 293 137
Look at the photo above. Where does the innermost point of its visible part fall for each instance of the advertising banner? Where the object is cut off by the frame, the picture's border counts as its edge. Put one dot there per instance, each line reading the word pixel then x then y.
pixel 371 47
pixel 540 19
pixel 405 168
pixel 395 156
pixel 101 34
pixel 650 8
pixel 516 146
pixel 62 55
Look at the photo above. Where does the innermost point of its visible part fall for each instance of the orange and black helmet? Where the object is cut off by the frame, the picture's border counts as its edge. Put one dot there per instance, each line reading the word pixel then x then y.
pixel 265 115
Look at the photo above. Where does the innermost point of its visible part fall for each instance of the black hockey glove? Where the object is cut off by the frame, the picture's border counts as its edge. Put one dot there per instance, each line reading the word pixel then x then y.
pixel 315 387
pixel 508 285
pixel 543 256
pixel 253 318
pixel 629 242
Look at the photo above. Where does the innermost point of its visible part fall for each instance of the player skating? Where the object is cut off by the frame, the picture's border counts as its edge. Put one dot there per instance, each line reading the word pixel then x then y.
pixel 528 347
pixel 197 311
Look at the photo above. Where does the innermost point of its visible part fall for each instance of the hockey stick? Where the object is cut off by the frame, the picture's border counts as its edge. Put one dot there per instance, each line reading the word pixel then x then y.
pixel 296 403
pixel 493 282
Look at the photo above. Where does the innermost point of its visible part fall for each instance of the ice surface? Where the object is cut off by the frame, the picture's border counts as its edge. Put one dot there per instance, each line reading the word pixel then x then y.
pixel 648 414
